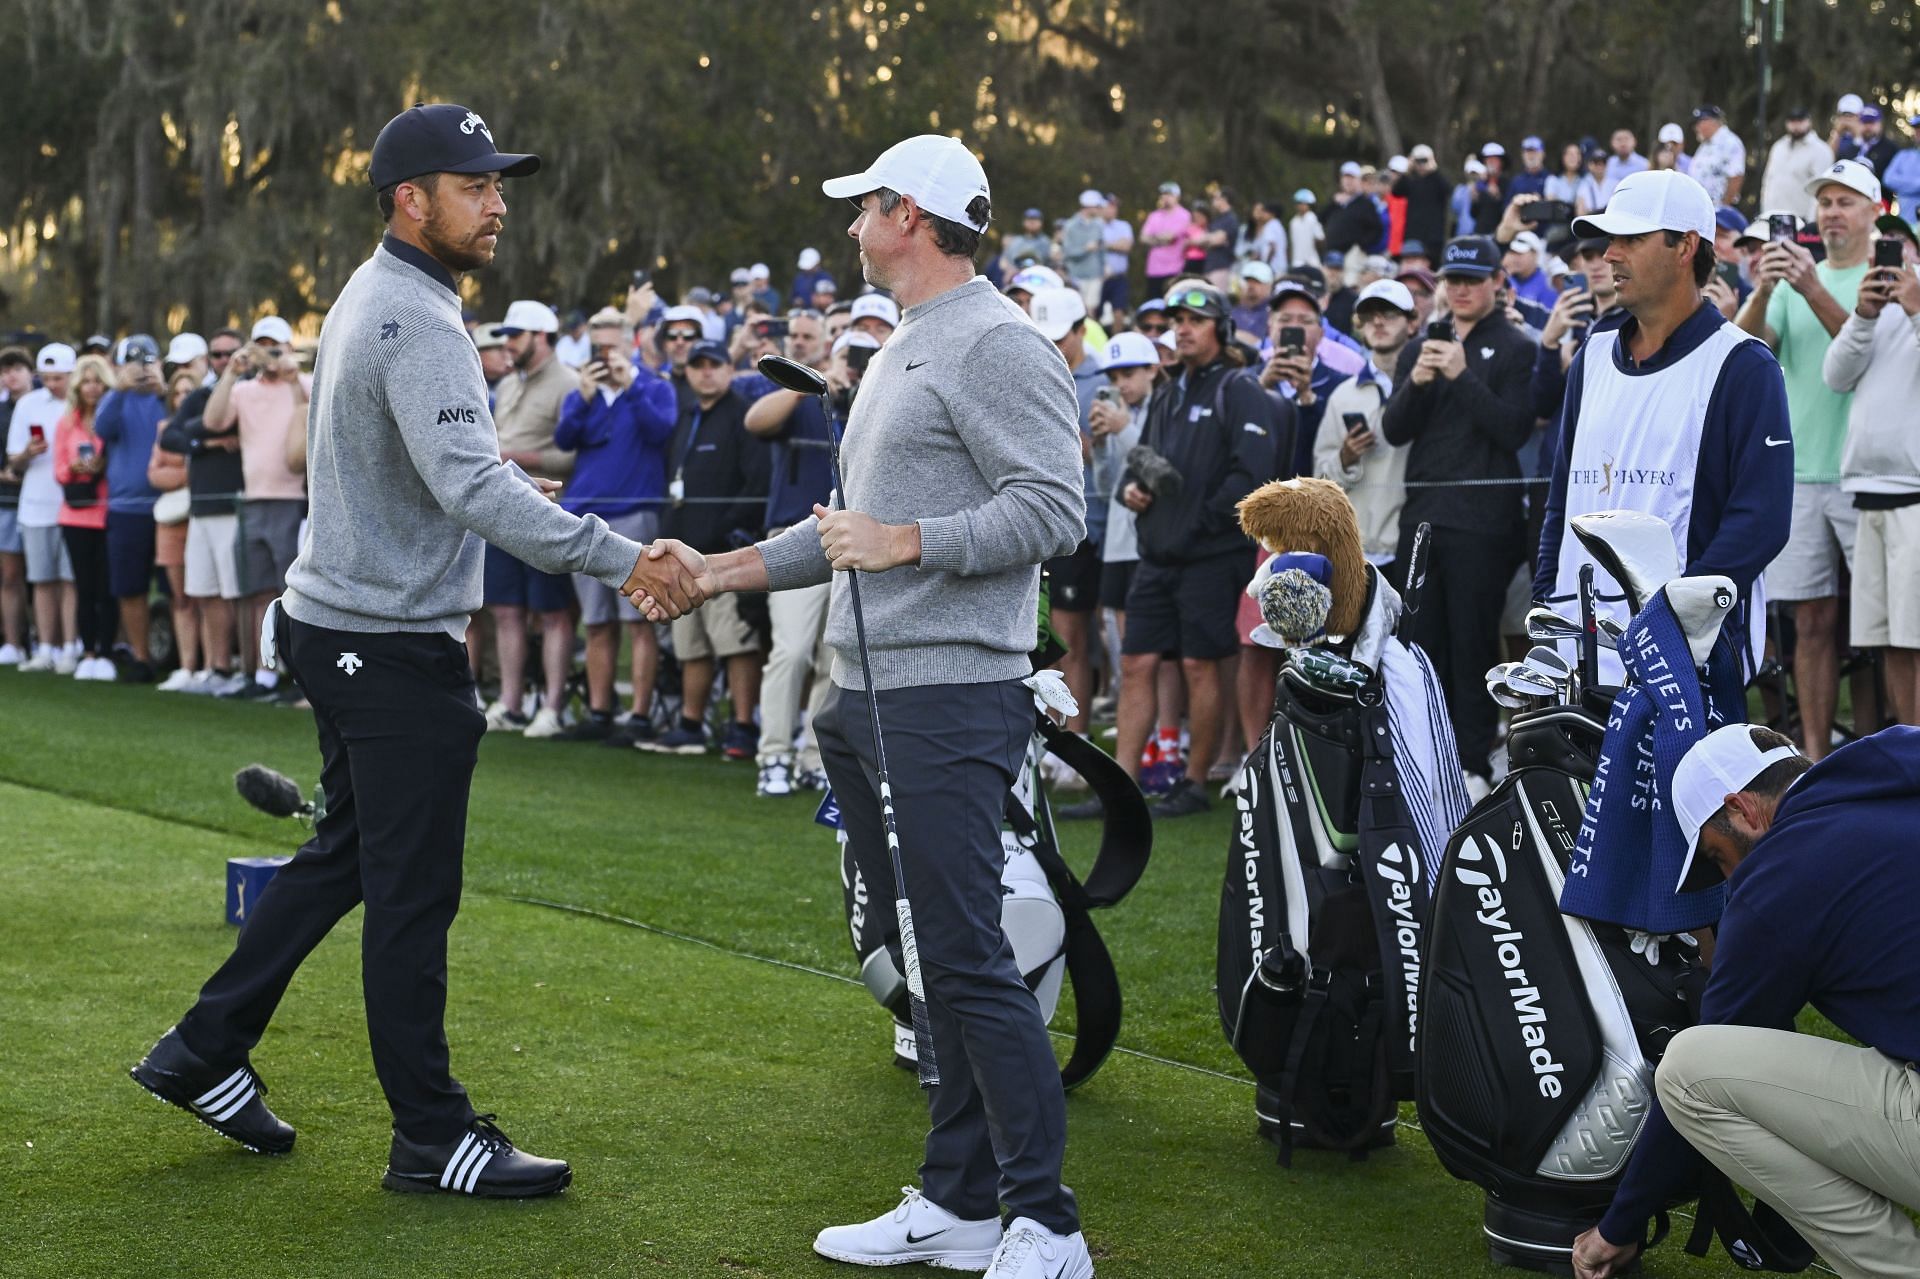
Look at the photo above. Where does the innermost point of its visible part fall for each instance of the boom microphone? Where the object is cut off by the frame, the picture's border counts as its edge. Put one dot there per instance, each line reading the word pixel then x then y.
pixel 274 794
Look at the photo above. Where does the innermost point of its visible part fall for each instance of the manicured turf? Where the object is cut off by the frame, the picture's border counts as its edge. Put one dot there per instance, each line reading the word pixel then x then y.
pixel 717 1110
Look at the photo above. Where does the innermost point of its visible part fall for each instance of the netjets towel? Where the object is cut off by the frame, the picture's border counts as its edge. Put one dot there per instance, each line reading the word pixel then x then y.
pixel 1423 751
pixel 1629 853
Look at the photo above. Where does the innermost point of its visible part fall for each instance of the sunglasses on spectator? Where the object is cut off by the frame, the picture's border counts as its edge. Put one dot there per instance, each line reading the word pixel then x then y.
pixel 1151 327
pixel 804 313
pixel 681 335
pixel 225 353
pixel 1188 299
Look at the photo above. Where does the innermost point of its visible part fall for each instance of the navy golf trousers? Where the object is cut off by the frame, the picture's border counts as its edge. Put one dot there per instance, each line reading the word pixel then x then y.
pixel 999 1114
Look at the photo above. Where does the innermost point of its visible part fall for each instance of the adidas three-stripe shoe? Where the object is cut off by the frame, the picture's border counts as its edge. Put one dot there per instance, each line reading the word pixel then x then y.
pixel 481 1162
pixel 227 1100
pixel 918 1230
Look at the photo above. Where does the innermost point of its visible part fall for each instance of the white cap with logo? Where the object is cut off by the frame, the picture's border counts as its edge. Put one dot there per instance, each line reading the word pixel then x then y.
pixel 56 357
pixel 1851 174
pixel 528 316
pixel 1390 292
pixel 1670 132
pixel 1849 104
pixel 1130 351
pixel 1526 242
pixel 877 306
pixel 1056 311
pixel 273 329
pixel 937 172
pixel 854 337
pixel 1032 279
pixel 1718 765
pixel 185 347
pixel 1652 200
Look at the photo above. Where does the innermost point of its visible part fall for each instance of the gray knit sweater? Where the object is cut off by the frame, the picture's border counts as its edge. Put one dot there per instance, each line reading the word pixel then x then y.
pixel 403 469
pixel 966 422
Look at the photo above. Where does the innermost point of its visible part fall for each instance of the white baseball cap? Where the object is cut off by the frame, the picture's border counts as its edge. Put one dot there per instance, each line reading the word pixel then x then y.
pixel 938 172
pixel 1492 148
pixel 877 306
pixel 486 337
pixel 1255 269
pixel 1723 762
pixel 760 271
pixel 1032 279
pixel 1168 340
pixel 1473 165
pixel 854 337
pixel 1351 169
pixel 1421 152
pixel 1758 230
pixel 1391 292
pixel 1849 104
pixel 1652 200
pixel 56 357
pixel 1525 242
pixel 1850 174
pixel 809 259
pixel 683 312
pixel 185 347
pixel 1091 199
pixel 1130 351
pixel 528 316
pixel 275 329
pixel 1398 164
pixel 1670 132
pixel 1056 311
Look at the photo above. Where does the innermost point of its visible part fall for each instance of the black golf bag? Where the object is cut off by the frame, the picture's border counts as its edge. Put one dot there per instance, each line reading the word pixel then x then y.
pixel 1322 918
pixel 1046 909
pixel 1540 1031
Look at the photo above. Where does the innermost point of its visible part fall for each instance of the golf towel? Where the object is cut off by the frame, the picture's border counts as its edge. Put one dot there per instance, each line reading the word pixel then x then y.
pixel 1423 750
pixel 1630 849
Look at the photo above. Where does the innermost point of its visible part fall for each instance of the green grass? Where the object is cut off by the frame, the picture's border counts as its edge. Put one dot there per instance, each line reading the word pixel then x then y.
pixel 717 1110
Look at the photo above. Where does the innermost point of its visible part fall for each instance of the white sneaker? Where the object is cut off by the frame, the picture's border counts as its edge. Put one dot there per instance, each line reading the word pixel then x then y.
pixel 227 685
pixel 201 685
pixel 545 724
pixel 42 660
pixel 66 663
pixel 1030 1251
pixel 11 655
pixel 173 683
pixel 103 670
pixel 918 1230
pixel 776 778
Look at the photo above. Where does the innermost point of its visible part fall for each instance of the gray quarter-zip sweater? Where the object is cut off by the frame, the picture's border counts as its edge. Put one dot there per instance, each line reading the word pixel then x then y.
pixel 965 423
pixel 404 469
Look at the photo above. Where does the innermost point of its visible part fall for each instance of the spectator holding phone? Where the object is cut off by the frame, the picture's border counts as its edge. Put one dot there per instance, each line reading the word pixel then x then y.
pixel 30 436
pixel 1875 360
pixel 1350 448
pixel 1301 369
pixel 1797 307
pixel 128 423
pixel 616 425
pixel 80 468
pixel 167 473
pixel 16 381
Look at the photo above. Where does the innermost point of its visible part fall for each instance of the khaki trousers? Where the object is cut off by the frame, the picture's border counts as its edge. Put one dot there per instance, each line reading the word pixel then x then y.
pixel 1827 1133
pixel 798 667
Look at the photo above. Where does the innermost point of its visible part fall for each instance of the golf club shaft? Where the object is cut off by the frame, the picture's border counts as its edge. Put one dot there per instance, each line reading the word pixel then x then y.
pixel 1590 631
pixel 928 1066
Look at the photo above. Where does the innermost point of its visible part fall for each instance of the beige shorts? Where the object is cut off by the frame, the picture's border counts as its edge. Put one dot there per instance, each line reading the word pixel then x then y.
pixel 1886 579
pixel 1808 567
pixel 213 557
pixel 715 629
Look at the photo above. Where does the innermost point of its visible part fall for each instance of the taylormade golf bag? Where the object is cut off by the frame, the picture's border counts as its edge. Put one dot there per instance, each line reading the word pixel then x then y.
pixel 1045 908
pixel 1323 912
pixel 1540 1031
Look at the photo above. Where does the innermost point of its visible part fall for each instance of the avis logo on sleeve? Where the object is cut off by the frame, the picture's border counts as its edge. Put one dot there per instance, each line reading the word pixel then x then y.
pixel 456 415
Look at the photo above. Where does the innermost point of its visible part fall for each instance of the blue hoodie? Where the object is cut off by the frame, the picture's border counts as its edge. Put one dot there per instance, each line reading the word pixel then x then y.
pixel 126 423
pixel 621 447
pixel 1824 910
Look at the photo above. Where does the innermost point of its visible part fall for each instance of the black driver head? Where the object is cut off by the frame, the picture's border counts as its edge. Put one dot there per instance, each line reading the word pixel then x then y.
pixel 792 375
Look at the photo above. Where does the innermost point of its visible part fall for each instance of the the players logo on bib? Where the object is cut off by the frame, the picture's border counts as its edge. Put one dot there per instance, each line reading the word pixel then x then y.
pixel 349 662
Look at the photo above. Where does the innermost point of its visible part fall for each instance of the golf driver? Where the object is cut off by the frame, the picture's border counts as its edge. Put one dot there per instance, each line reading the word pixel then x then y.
pixel 1589 629
pixel 794 376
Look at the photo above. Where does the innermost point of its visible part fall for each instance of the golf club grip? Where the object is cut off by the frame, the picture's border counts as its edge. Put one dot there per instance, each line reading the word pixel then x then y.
pixel 929 1069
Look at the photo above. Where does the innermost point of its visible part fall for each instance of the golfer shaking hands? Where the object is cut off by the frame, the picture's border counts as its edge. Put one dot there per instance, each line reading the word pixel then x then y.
pixel 961 471
pixel 403 468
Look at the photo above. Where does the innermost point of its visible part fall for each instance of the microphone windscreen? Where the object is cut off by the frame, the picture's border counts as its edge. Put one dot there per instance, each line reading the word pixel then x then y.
pixel 272 793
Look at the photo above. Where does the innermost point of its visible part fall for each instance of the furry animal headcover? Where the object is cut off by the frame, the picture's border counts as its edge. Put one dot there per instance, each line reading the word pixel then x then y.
pixel 1313 516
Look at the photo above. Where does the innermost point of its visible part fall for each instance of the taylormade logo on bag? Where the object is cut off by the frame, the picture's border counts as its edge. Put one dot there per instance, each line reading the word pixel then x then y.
pixel 1246 801
pixel 1481 851
pixel 1400 867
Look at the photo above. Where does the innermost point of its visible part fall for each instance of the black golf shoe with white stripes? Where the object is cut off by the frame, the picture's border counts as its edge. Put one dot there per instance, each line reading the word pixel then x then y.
pixel 226 1099
pixel 480 1162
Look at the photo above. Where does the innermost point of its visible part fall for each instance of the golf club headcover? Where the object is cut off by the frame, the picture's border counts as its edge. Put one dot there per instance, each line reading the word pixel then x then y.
pixel 1314 516
pixel 1294 597
pixel 272 793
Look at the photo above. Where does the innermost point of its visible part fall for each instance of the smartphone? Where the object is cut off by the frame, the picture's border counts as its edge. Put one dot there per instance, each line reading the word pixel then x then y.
pixel 770 328
pixel 1782 226
pixel 1104 395
pixel 1576 283
pixel 1537 211
pixel 1293 337
pixel 642 278
pixel 1440 331
pixel 84 452
pixel 1729 275
pixel 38 432
pixel 1354 422
pixel 1888 251
pixel 858 357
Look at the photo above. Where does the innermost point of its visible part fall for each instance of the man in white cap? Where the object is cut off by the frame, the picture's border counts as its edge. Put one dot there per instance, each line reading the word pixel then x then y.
pixel 1353 223
pixel 1671 135
pixel 1823 901
pixel 961 472
pixel 1844 140
pixel 1083 250
pixel 876 315
pixel 809 274
pixel 30 435
pixel 258 395
pixel 1425 189
pixel 1794 159
pixel 1524 261
pixel 1349 447
pixel 1798 306
pixel 1670 410
pixel 760 280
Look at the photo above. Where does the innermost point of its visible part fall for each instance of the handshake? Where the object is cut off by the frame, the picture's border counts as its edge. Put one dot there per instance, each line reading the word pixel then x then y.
pixel 670 580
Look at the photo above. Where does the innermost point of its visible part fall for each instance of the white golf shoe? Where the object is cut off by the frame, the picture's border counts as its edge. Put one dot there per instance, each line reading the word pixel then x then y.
pixel 918 1230
pixel 1030 1251
pixel 546 723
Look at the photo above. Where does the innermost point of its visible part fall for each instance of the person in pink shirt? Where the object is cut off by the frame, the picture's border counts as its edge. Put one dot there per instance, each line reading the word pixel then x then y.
pixel 263 390
pixel 80 468
pixel 1165 235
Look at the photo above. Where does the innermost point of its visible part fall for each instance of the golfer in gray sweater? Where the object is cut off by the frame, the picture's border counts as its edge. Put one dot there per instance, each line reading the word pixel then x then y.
pixel 404 470
pixel 962 471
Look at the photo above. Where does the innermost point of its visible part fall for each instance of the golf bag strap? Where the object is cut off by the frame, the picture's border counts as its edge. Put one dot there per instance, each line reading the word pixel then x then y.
pixel 1313 1002
pixel 1126 833
pixel 1385 824
pixel 1758 1240
pixel 1096 984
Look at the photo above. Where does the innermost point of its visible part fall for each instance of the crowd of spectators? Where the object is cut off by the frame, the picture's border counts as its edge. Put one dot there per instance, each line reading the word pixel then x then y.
pixel 1409 336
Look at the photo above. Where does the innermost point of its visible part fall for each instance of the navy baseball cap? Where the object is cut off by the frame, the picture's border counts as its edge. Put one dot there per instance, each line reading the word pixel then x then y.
pixel 441 138
pixel 138 349
pixel 1732 219
pixel 709 351
pixel 1708 112
pixel 1476 256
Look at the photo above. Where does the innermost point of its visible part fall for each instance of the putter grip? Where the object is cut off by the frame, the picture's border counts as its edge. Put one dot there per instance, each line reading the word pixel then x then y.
pixel 916 995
